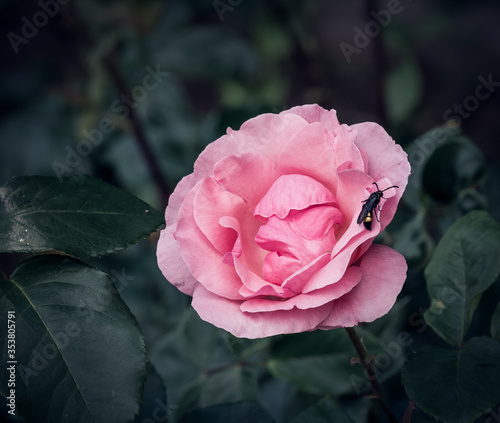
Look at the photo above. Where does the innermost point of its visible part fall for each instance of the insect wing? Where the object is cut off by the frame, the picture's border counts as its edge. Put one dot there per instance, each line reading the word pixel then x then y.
pixel 367 207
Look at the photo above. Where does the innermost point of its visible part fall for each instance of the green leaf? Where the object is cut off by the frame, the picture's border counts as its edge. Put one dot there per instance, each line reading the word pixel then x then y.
pixel 224 385
pixel 324 411
pixel 452 167
pixel 241 412
pixel 79 351
pixel 403 91
pixel 464 264
pixel 419 152
pixel 79 216
pixel 413 241
pixel 320 362
pixel 198 363
pixel 155 402
pixel 455 386
pixel 328 374
pixel 495 323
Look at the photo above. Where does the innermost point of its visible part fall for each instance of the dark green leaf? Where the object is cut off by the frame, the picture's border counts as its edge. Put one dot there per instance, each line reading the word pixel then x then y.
pixel 79 351
pixel 453 166
pixel 326 374
pixel 419 151
pixel 308 344
pixel 224 385
pixel 495 323
pixel 240 412
pixel 155 404
pixel 455 386
pixel 324 411
pixel 413 241
pixel 200 368
pixel 464 264
pixel 79 216
pixel 320 362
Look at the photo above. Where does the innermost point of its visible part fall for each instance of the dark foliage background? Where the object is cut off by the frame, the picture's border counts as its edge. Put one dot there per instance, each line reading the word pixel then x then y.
pixel 228 61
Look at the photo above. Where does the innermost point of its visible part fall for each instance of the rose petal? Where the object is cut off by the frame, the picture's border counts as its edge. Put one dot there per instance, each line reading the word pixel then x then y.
pixel 278 267
pixel 296 282
pixel 292 192
pixel 310 152
pixel 269 290
pixel 203 260
pixel 316 222
pixel 384 272
pixel 249 252
pixel 278 235
pixel 171 263
pixel 177 197
pixel 310 300
pixel 330 273
pixel 354 183
pixel 387 160
pixel 313 113
pixel 264 233
pixel 347 154
pixel 249 176
pixel 347 249
pixel 211 203
pixel 248 262
pixel 265 135
pixel 253 283
pixel 226 314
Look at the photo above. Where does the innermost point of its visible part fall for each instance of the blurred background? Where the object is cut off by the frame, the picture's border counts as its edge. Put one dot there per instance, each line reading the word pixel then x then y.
pixel 132 91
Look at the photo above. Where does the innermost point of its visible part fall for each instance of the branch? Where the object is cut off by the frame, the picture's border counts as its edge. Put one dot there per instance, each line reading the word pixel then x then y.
pixel 110 64
pixel 159 179
pixel 367 364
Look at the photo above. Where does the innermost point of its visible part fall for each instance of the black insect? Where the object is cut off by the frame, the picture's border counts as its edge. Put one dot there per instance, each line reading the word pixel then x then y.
pixel 369 206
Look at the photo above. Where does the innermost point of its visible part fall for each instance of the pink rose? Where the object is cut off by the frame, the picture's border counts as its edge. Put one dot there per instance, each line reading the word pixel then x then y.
pixel 263 234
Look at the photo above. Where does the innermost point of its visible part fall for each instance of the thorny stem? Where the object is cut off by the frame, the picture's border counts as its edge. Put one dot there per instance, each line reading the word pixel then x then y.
pixel 367 364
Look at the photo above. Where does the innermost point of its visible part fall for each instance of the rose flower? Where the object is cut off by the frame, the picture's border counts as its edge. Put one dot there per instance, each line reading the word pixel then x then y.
pixel 264 233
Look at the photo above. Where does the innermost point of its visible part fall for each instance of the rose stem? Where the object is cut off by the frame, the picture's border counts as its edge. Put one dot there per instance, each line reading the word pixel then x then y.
pixel 81 32
pixel 367 364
